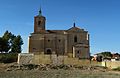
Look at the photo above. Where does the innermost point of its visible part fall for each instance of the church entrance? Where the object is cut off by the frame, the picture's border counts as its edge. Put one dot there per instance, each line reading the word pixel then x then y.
pixel 48 51
pixel 77 51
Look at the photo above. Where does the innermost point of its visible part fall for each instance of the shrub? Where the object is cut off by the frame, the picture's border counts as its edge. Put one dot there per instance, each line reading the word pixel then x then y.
pixel 8 57
pixel 62 66
pixel 30 66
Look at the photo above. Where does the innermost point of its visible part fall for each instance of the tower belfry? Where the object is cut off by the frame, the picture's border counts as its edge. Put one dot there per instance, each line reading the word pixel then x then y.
pixel 39 22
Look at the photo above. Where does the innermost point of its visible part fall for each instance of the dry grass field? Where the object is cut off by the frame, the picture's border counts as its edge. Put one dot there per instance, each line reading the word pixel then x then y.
pixel 57 72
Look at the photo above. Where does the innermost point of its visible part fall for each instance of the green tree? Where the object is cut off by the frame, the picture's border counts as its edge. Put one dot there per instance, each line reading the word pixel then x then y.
pixel 4 46
pixel 6 41
pixel 10 43
pixel 7 36
pixel 1 42
pixel 17 42
pixel 106 54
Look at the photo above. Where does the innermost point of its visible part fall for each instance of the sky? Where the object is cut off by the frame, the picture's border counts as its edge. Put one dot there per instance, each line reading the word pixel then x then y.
pixel 101 18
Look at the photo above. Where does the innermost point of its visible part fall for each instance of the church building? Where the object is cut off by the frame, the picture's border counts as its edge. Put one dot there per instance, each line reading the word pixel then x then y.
pixel 73 42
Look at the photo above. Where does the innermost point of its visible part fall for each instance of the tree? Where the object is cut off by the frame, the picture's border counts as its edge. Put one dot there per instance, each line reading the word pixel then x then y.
pixel 10 43
pixel 106 54
pixel 7 36
pixel 1 44
pixel 16 44
pixel 6 41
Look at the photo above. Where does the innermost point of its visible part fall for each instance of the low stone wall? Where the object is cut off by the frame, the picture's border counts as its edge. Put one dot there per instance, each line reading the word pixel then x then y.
pixel 76 61
pixel 42 59
pixel 95 63
pixel 54 59
pixel 25 58
pixel 111 64
pixel 48 59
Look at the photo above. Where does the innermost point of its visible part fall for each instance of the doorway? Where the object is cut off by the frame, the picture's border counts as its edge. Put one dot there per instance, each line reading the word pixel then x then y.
pixel 48 51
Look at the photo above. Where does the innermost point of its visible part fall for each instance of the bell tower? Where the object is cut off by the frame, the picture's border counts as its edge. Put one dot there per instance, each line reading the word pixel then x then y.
pixel 39 23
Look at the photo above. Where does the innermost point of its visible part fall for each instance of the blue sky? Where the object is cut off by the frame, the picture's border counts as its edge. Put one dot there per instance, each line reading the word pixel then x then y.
pixel 100 17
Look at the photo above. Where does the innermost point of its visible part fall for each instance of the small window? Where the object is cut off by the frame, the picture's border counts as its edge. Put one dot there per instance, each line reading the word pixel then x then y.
pixel 75 39
pixel 48 40
pixel 59 40
pixel 34 48
pixel 39 22
pixel 86 47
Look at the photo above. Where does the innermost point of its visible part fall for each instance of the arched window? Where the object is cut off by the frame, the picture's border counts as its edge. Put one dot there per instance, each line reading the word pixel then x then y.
pixel 49 51
pixel 75 39
pixel 39 22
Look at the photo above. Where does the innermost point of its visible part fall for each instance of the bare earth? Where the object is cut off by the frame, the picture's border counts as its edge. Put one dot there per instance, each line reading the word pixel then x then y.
pixel 58 73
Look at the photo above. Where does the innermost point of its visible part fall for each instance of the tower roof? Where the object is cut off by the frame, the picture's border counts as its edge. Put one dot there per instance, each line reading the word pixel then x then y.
pixel 74 24
pixel 40 12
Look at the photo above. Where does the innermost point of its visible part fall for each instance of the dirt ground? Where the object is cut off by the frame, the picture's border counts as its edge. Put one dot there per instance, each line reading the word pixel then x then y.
pixel 58 74
pixel 72 72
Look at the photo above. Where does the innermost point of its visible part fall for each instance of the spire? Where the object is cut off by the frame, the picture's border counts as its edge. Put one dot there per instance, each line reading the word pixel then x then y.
pixel 40 12
pixel 74 24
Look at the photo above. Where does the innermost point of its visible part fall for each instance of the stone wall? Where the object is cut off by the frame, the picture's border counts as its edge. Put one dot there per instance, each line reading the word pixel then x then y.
pixel 53 59
pixel 111 64
pixel 25 58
